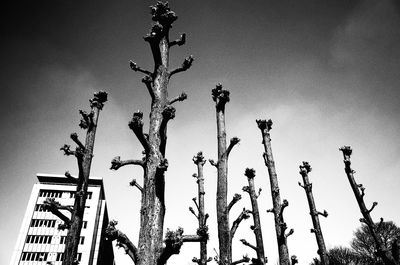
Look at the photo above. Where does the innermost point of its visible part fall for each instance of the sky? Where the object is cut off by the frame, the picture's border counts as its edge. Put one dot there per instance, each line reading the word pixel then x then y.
pixel 325 72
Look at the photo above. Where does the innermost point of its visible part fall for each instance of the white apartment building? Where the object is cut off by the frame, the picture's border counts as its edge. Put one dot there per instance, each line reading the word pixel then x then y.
pixel 40 242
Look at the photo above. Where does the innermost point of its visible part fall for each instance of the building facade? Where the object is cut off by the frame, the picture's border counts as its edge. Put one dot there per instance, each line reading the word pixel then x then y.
pixel 40 242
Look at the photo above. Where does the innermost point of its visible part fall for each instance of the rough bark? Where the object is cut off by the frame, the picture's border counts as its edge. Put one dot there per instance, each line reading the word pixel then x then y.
pixel 359 193
pixel 201 217
pixel 151 249
pixel 278 206
pixel 84 155
pixel 221 97
pixel 307 186
pixel 261 259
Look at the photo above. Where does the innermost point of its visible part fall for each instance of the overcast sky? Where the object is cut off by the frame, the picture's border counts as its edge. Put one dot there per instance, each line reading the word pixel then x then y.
pixel 326 73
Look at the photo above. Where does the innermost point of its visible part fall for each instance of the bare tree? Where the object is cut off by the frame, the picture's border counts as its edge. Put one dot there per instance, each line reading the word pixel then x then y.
pixel 259 248
pixel 363 242
pixel 359 193
pixel 201 216
pixel 84 155
pixel 225 233
pixel 278 206
pixel 307 186
pixel 151 249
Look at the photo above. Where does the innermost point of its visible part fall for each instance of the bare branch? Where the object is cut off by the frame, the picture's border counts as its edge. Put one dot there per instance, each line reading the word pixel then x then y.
pixel 180 41
pixel 67 150
pixel 291 231
pixel 206 217
pixel 137 185
pixel 136 125
pixel 213 163
pixel 116 162
pixel 148 81
pixel 86 120
pixel 195 203
pixel 284 204
pixel 174 241
pixel 136 68
pixel 294 260
pixel 244 242
pixel 362 189
pixel 193 212
pixel 232 143
pixel 373 206
pixel 122 240
pixel 235 199
pixel 70 177
pixel 243 260
pixel 324 214
pixel 50 204
pixel 181 97
pixel 187 63
pixel 272 210
pixel 243 215
pixel 74 137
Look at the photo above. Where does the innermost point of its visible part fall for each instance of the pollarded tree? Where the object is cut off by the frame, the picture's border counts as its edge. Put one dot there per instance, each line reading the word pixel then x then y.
pixel 225 232
pixel 359 192
pixel 307 186
pixel 201 215
pixel 278 205
pixel 84 155
pixel 151 249
pixel 259 247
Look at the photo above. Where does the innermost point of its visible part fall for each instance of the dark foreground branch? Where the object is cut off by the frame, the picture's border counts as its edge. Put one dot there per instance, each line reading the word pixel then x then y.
pixel 122 240
pixel 50 204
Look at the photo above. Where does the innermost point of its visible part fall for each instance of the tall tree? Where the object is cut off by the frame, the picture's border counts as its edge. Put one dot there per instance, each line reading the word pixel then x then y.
pixel 84 155
pixel 225 233
pixel 359 193
pixel 307 186
pixel 251 190
pixel 202 217
pixel 342 256
pixel 278 206
pixel 363 242
pixel 151 249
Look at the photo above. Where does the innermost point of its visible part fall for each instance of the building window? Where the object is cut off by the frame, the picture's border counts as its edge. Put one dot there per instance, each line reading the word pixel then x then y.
pixel 60 256
pixel 63 240
pixel 84 224
pixel 50 193
pixel 72 194
pixel 40 208
pixel 33 239
pixel 34 256
pixel 43 223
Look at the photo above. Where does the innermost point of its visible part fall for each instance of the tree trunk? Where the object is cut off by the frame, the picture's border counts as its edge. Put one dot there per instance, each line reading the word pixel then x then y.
pixel 250 174
pixel 225 234
pixel 151 250
pixel 221 97
pixel 359 192
pixel 84 156
pixel 304 170
pixel 278 207
pixel 202 217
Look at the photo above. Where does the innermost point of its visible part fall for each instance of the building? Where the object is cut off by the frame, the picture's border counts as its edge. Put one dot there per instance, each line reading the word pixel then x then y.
pixel 41 242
